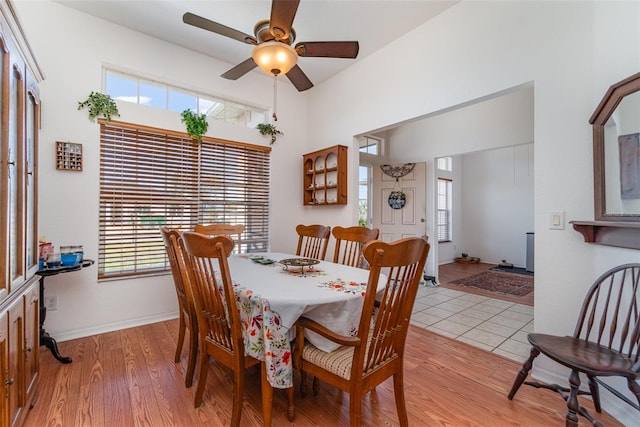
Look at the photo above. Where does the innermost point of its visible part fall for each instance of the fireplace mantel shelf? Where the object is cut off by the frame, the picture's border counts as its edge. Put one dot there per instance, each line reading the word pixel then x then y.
pixel 621 234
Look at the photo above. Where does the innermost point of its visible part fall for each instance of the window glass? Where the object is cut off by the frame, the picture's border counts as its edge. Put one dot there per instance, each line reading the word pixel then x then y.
pixel 121 88
pixel 180 101
pixel 444 163
pixel 370 145
pixel 444 210
pixel 153 95
pixel 364 187
pixel 130 88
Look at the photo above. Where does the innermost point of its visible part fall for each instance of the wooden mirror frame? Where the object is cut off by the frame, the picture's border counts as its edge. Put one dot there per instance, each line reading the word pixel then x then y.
pixel 603 112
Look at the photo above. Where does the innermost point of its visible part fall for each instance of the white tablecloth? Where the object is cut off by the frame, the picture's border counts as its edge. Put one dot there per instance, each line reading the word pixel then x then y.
pixel 271 299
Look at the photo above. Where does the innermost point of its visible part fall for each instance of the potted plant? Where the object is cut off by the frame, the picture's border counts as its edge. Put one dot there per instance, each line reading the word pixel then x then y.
pixel 269 129
pixel 100 105
pixel 196 124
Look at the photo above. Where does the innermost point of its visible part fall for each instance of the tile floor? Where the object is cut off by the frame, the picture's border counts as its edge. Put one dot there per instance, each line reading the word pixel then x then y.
pixel 494 325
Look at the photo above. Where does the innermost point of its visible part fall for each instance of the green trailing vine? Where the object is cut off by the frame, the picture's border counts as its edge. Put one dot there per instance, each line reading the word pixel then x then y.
pixel 269 129
pixel 196 124
pixel 100 105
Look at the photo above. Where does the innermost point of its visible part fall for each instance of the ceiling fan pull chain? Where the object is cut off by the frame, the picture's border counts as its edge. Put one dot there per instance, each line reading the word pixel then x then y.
pixel 275 97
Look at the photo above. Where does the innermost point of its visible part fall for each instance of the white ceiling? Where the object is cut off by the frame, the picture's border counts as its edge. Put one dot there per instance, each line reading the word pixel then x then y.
pixel 373 23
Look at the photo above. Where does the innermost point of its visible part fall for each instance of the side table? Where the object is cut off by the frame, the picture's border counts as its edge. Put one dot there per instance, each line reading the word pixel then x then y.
pixel 45 338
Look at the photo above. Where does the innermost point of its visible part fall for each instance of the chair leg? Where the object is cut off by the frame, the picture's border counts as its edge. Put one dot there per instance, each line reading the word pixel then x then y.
pixel 238 395
pixel 202 381
pixel 303 383
pixel 401 407
pixel 316 387
pixel 571 420
pixel 267 396
pixel 523 372
pixel 193 355
pixel 595 393
pixel 635 388
pixel 181 332
pixel 291 409
pixel 355 409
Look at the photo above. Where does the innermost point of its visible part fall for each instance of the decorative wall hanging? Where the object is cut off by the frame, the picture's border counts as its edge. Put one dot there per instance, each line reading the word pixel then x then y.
pixel 68 156
pixel 397 199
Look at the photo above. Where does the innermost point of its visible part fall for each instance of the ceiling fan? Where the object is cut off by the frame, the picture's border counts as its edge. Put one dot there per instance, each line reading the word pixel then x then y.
pixel 273 39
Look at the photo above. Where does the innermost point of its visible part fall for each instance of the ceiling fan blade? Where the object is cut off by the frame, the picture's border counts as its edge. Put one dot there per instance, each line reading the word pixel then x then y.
pixel 223 30
pixel 328 49
pixel 299 79
pixel 282 14
pixel 240 70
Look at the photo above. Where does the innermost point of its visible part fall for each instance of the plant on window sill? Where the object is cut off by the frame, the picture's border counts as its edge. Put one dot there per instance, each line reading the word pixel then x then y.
pixel 100 105
pixel 196 124
pixel 269 129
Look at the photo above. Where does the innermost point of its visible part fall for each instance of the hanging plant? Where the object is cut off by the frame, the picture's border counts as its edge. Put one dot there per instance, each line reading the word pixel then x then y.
pixel 100 105
pixel 269 129
pixel 196 124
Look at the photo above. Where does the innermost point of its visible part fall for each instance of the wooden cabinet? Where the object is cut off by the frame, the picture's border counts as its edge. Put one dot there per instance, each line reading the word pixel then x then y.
pixel 325 176
pixel 19 336
pixel 19 286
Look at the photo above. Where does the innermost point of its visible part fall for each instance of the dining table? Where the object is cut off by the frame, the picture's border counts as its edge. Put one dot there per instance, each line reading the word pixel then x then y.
pixel 274 289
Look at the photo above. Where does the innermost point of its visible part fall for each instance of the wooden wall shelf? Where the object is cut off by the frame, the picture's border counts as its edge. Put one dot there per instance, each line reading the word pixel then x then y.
pixel 620 234
pixel 325 176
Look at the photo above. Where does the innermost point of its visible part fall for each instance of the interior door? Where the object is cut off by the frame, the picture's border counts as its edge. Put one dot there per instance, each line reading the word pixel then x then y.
pixel 409 221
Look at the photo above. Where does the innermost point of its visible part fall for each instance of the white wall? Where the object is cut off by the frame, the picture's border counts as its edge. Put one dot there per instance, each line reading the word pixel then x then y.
pixel 497 204
pixel 478 48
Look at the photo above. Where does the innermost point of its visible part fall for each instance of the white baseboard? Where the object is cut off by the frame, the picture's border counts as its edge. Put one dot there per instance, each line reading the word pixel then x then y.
pixel 82 333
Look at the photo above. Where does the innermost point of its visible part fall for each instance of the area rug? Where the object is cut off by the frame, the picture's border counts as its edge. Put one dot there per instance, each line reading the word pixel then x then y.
pixel 496 281
pixel 515 270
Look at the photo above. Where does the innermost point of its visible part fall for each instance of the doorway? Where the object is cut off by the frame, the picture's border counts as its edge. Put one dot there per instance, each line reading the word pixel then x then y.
pixel 469 133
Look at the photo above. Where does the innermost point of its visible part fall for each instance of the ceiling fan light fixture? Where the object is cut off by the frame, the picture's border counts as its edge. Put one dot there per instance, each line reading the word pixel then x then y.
pixel 274 58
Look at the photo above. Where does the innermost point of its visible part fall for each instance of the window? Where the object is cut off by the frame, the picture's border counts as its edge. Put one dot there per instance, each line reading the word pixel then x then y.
pixel 444 163
pixel 152 177
pixel 371 145
pixel 137 90
pixel 444 210
pixel 364 191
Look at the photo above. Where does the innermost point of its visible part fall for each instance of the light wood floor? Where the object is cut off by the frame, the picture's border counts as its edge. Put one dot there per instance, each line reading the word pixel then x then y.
pixel 128 378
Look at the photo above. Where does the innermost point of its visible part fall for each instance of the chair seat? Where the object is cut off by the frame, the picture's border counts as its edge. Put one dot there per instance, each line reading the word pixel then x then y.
pixel 337 362
pixel 585 356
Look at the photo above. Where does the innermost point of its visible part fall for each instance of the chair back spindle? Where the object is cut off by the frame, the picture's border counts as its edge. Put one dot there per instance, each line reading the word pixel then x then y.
pixel 610 313
pixel 312 241
pixel 349 244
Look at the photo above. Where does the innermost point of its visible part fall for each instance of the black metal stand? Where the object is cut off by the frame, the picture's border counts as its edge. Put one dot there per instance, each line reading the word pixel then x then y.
pixel 46 339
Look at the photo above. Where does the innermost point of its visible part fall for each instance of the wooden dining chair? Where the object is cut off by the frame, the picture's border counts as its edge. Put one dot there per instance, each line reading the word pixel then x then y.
pixel 219 328
pixel 312 241
pixel 376 352
pixel 220 229
pixel 349 244
pixel 605 343
pixel 188 320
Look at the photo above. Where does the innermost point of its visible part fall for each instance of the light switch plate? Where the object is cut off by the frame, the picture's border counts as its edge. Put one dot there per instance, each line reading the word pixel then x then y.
pixel 556 220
